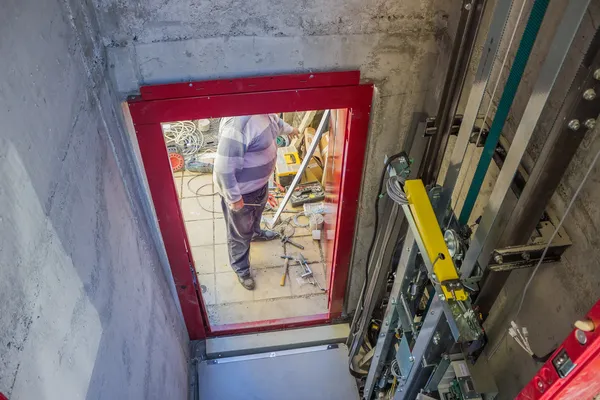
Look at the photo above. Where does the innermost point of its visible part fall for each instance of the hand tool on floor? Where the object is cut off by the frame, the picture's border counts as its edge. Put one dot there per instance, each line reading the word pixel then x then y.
pixel 308 273
pixel 285 270
pixel 286 239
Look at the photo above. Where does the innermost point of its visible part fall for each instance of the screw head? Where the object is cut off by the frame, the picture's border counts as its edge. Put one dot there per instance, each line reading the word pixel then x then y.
pixel 526 256
pixel 589 94
pixel 597 74
pixel 590 123
pixel 436 339
pixel 580 335
pixel 574 125
pixel 411 359
pixel 498 258
pixel 442 297
pixel 468 6
pixel 540 384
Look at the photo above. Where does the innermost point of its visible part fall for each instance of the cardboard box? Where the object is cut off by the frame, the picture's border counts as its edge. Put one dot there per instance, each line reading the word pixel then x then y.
pixel 314 172
pixel 309 135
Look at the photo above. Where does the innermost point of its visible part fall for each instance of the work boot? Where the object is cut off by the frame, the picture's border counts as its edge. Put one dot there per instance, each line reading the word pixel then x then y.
pixel 263 236
pixel 247 282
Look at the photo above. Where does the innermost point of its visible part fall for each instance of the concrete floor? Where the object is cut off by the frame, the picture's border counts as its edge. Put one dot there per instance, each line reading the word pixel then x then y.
pixel 227 301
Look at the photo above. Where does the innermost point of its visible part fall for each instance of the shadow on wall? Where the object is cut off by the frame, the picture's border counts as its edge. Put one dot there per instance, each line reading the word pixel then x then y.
pixel 85 310
pixel 80 306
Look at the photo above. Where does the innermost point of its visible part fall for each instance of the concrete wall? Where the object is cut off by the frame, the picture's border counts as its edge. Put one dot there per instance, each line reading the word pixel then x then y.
pixel 86 309
pixel 395 44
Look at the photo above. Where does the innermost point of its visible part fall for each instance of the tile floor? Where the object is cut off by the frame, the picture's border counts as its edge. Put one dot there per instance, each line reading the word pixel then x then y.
pixel 227 301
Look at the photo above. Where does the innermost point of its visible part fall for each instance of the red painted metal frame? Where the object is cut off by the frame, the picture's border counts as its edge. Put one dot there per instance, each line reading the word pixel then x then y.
pixel 269 324
pixel 247 85
pixel 583 382
pixel 277 94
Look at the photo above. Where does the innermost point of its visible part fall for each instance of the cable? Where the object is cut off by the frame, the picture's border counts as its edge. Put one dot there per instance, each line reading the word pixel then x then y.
pixel 395 189
pixel 185 135
pixel 528 284
pixel 198 195
pixel 560 223
pixel 298 224
pixel 360 307
pixel 376 227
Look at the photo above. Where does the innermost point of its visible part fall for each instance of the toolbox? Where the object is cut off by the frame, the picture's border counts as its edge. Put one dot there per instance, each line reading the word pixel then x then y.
pixel 288 163
pixel 310 192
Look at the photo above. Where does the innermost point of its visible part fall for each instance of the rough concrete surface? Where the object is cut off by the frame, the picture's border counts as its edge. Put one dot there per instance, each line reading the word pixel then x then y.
pixel 85 306
pixel 401 47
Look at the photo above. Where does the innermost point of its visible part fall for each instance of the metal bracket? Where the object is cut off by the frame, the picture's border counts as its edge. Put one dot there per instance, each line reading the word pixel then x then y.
pixel 525 256
pixel 405 358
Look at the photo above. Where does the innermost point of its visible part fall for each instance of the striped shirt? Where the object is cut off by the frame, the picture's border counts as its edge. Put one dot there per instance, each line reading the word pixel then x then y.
pixel 246 154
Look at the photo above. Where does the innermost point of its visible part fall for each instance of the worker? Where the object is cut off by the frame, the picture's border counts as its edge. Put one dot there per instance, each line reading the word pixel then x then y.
pixel 245 160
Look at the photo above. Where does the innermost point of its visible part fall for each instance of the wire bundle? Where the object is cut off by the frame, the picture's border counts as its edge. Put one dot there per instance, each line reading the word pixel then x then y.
pixel 394 187
pixel 521 336
pixel 185 135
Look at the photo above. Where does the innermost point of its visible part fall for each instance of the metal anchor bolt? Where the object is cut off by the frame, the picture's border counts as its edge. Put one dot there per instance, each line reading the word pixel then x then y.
pixel 589 94
pixel 574 125
pixel 590 123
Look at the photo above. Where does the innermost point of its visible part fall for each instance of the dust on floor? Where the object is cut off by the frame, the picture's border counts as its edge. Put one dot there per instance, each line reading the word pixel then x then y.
pixel 227 302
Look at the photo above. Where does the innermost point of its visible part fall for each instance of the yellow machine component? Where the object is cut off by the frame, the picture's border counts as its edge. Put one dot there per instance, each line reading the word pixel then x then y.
pixel 433 239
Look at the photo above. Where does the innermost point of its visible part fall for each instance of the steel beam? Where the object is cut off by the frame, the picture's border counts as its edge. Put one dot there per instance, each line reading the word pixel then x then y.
pixel 379 265
pixel 391 317
pixel 426 350
pixel 481 247
pixel 482 77
pixel 536 16
pixel 458 67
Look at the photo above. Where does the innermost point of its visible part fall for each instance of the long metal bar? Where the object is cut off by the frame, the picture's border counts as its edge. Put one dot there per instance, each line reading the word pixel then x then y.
pixel 513 81
pixel 309 153
pixel 556 155
pixel 432 323
pixel 480 247
pixel 388 326
pixel 482 76
pixel 458 67
pixel 378 267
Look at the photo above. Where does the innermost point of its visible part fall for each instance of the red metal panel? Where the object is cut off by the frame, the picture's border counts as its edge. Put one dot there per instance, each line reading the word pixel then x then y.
pixel 271 324
pixel 152 112
pixel 583 382
pixel 255 84
pixel 355 143
pixel 170 220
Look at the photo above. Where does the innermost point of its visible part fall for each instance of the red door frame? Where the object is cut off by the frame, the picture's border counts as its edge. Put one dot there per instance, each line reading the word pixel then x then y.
pixel 244 96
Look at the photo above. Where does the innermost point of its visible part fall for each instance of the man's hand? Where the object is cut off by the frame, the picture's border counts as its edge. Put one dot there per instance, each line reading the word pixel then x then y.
pixel 294 134
pixel 238 205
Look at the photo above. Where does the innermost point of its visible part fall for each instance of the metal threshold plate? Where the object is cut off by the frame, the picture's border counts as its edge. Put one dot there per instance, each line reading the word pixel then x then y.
pixel 319 372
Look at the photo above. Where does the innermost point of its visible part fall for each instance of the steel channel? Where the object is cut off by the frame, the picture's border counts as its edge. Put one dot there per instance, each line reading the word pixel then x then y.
pixel 424 340
pixel 458 68
pixel 386 333
pixel 377 278
pixel 454 82
pixel 480 247
pixel 482 77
